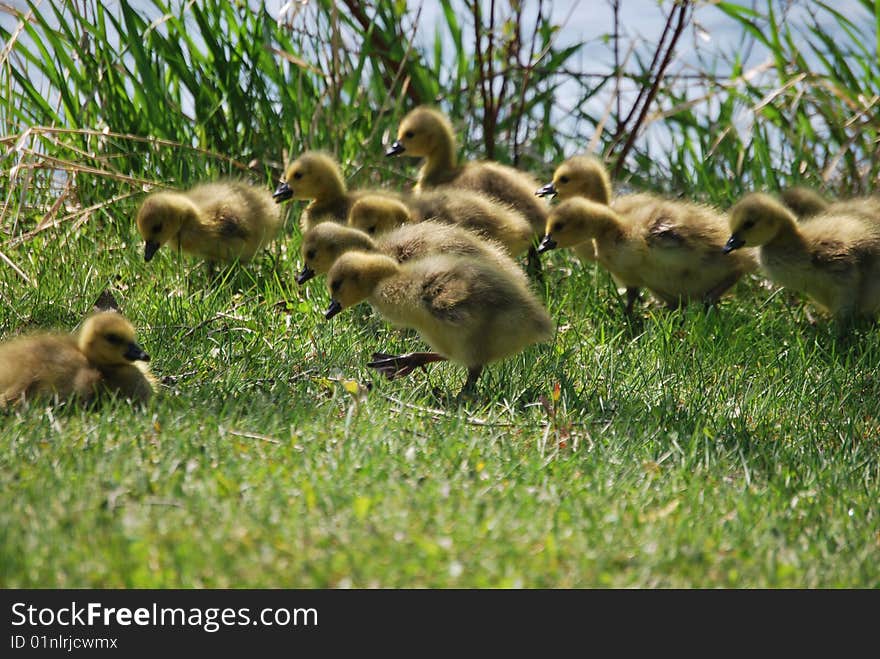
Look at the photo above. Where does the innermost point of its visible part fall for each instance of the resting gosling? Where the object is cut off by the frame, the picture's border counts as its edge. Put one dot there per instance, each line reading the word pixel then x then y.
pixel 220 222
pixel 834 258
pixel 580 176
pixel 427 133
pixel 468 310
pixel 102 357
pixel 673 248
pixel 316 176
pixel 464 208
pixel 326 242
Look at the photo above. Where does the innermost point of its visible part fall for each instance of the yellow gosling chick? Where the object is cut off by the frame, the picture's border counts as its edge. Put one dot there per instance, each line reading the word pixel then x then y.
pixel 326 242
pixel 834 259
pixel 220 222
pixel 427 133
pixel 315 176
pixel 673 248
pixel 468 310
pixel 464 208
pixel 580 176
pixel 102 357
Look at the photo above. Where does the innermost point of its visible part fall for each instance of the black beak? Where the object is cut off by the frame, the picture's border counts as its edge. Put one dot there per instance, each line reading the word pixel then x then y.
pixel 282 193
pixel 546 191
pixel 735 242
pixel 134 353
pixel 150 249
pixel 306 274
pixel 333 309
pixel 396 149
pixel 547 243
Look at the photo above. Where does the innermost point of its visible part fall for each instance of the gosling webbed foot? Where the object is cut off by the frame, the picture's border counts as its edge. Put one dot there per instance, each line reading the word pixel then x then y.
pixel 398 366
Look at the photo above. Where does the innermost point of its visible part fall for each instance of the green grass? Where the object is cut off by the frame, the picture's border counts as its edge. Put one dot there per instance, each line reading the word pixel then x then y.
pixel 731 447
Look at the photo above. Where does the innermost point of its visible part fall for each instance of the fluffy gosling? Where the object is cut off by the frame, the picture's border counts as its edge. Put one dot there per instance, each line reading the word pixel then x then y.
pixel 834 258
pixel 324 243
pixel 470 210
pixel 220 222
pixel 315 176
pixel 675 249
pixel 468 310
pixel 103 357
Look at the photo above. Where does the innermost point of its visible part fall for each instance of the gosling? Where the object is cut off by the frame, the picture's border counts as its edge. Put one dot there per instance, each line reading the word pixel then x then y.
pixel 580 176
pixel 834 258
pixel 427 133
pixel 470 210
pixel 102 358
pixel 219 222
pixel 468 310
pixel 675 249
pixel 324 243
pixel 316 177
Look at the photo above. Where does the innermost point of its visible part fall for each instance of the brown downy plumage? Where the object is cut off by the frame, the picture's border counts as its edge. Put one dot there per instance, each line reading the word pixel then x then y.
pixel 467 309
pixel 102 357
pixel 315 176
pixel 834 258
pixel 326 242
pixel 469 210
pixel 219 222
pixel 673 248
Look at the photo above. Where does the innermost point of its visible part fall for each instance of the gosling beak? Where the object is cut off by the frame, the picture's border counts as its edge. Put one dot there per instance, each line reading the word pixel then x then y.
pixel 333 309
pixel 735 242
pixel 547 243
pixel 135 353
pixel 150 249
pixel 282 193
pixel 306 274
pixel 396 149
pixel 546 191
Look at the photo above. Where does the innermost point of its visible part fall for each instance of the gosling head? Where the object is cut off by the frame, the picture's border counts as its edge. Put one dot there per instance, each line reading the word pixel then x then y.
pixel 314 175
pixel 354 277
pixel 755 220
pixel 569 223
pixel 160 218
pixel 108 339
pixel 376 215
pixel 326 242
pixel 421 133
pixel 583 176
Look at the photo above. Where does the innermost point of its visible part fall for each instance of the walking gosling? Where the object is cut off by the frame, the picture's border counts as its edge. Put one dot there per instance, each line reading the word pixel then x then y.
pixel 673 248
pixel 316 176
pixel 468 310
pixel 834 258
pixel 220 222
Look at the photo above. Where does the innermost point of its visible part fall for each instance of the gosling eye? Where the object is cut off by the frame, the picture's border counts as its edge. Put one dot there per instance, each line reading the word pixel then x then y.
pixel 310 254
pixel 115 339
pixel 409 134
pixel 748 224
pixel 371 230
pixel 335 286
pixel 559 226
pixel 563 179
pixel 157 228
pixel 297 175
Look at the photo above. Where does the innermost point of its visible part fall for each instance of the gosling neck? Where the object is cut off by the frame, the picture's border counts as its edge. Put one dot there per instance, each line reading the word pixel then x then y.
pixel 607 225
pixel 787 235
pixel 440 163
